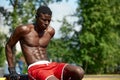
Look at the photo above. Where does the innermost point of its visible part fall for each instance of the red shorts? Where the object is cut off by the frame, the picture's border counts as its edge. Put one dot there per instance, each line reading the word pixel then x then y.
pixel 44 71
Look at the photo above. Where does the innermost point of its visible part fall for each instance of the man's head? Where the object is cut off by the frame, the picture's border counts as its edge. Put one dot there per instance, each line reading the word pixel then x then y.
pixel 43 17
pixel 44 10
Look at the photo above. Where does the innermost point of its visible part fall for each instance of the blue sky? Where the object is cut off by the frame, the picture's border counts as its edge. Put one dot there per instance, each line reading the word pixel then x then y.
pixel 4 3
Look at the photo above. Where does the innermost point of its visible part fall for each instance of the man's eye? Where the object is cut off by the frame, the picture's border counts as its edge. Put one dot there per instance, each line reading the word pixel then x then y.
pixel 43 19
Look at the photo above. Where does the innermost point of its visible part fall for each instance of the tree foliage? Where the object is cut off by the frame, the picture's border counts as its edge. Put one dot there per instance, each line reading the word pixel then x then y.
pixel 62 47
pixel 96 47
pixel 2 50
pixel 99 38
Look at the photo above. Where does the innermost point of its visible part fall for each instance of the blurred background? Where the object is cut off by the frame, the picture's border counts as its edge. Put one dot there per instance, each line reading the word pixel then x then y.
pixel 87 33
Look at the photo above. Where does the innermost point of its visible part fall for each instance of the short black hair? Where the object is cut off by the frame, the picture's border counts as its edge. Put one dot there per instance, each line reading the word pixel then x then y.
pixel 44 10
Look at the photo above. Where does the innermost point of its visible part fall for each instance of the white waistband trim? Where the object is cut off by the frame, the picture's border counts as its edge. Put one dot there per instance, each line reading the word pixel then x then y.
pixel 38 62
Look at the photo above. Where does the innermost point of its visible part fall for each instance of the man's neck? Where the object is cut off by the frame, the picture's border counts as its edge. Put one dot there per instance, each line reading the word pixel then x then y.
pixel 38 30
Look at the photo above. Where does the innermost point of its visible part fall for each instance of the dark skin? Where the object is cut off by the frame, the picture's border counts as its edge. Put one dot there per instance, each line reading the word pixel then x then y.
pixel 34 39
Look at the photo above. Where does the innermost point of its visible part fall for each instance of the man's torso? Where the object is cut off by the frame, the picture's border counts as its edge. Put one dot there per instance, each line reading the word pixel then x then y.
pixel 34 44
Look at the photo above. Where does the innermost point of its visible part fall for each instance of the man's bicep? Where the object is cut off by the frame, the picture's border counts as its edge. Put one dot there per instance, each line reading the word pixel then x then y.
pixel 14 38
pixel 18 34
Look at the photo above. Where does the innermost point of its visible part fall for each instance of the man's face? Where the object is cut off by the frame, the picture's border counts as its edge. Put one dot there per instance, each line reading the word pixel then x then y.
pixel 43 21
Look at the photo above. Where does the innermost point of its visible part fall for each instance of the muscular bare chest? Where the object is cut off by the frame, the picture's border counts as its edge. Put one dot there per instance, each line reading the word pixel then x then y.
pixel 33 39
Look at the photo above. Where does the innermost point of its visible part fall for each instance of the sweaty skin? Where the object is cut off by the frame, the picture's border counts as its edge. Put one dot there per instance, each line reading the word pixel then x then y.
pixel 34 44
pixel 34 39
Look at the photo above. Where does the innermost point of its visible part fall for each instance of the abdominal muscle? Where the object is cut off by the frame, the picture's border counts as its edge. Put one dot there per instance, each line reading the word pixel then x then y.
pixel 34 54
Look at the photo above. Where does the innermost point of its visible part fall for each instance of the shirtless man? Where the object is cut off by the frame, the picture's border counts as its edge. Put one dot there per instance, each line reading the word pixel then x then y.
pixel 34 39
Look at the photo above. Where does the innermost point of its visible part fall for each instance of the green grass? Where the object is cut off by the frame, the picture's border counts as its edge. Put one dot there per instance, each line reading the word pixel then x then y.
pixel 101 77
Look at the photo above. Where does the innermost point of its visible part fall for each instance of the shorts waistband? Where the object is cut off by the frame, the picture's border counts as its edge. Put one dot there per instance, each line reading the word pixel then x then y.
pixel 39 62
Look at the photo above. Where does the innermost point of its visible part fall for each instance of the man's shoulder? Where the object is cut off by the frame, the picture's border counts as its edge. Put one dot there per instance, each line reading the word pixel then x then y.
pixel 51 30
pixel 25 28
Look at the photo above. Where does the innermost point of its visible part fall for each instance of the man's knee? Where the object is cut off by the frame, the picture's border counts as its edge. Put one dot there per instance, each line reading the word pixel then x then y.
pixel 52 78
pixel 75 72
pixel 80 72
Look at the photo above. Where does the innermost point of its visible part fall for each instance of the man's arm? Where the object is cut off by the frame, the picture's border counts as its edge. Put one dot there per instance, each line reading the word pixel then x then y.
pixel 14 38
pixel 9 47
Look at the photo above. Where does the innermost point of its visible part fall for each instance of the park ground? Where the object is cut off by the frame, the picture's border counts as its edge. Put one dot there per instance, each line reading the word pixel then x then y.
pixel 102 77
pixel 94 77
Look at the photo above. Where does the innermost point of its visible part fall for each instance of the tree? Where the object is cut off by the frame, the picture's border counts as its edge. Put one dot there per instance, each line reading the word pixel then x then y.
pixel 59 49
pixel 71 41
pixel 99 38
pixel 2 52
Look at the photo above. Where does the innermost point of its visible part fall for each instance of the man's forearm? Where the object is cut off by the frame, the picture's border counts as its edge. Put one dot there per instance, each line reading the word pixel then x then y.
pixel 11 66
pixel 9 56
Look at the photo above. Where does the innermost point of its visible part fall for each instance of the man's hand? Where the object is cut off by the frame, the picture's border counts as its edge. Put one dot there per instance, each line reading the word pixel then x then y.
pixel 13 74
